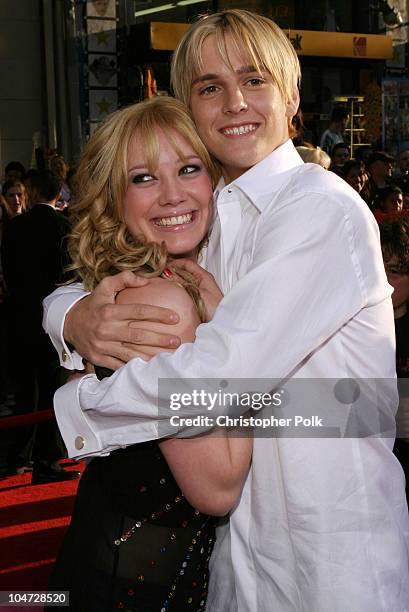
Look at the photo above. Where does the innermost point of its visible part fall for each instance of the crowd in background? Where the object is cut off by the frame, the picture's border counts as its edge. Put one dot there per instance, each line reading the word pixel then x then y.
pixel 381 180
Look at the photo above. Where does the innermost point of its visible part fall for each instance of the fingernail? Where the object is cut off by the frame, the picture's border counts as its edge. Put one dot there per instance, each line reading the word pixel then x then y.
pixel 174 318
pixel 174 342
pixel 168 273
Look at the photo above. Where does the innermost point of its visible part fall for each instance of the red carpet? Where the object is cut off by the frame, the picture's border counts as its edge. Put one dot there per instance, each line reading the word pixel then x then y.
pixel 33 521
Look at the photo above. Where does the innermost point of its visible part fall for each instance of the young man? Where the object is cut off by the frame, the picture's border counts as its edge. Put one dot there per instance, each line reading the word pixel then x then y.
pixel 322 523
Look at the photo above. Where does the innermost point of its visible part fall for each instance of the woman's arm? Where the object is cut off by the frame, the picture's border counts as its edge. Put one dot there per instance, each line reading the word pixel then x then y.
pixel 209 469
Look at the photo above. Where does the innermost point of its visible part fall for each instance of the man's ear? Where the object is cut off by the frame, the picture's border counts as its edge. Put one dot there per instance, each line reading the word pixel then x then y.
pixel 293 103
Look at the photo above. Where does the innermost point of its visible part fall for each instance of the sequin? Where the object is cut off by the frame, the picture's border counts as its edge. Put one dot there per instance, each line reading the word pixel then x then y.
pixel 182 572
pixel 173 536
pixel 152 563
pixel 185 524
pixel 201 551
pixel 168 506
pixel 120 605
pixel 117 542
pixel 178 499
pixel 194 541
pixel 141 578
pixel 131 592
pixel 142 489
pixel 163 549
pixel 189 601
pixel 184 564
pixel 162 481
pixel 138 524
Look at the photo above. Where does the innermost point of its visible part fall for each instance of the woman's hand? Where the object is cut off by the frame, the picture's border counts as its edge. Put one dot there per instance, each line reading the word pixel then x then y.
pixel 209 289
pixel 106 333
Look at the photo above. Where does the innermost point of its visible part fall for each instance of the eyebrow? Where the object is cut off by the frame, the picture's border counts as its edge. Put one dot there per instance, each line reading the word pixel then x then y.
pixel 188 158
pixel 212 76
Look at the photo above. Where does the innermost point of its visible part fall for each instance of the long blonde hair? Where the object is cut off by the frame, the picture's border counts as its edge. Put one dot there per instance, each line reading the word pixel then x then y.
pixel 100 243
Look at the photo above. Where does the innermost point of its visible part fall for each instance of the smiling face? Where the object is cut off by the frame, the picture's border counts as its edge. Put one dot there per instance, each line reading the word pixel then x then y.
pixel 239 112
pixel 173 203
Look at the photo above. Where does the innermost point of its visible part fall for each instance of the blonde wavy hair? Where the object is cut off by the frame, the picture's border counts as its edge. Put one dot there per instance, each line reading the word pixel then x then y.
pixel 100 243
pixel 264 43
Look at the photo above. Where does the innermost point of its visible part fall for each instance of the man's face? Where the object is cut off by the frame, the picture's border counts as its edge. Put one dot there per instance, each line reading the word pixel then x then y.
pixel 382 169
pixel 404 161
pixel 239 113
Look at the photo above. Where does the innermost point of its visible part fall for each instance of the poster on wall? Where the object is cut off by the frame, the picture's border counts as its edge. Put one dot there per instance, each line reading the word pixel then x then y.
pixel 102 102
pixel 395 114
pixel 101 8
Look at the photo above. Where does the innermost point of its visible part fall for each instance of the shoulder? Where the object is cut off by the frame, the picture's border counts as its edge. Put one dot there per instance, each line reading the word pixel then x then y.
pixel 158 292
pixel 166 294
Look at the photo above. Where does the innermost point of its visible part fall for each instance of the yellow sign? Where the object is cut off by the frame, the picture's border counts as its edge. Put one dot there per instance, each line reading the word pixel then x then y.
pixel 165 36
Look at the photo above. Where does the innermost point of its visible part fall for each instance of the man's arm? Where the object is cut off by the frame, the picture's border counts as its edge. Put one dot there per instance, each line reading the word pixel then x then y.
pixel 300 289
pixel 101 331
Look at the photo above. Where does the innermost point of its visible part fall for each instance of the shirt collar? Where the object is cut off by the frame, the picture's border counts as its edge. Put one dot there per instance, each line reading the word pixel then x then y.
pixel 256 183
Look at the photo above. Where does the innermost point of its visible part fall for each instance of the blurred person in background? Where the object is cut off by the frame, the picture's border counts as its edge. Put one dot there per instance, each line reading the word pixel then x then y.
pixel 340 154
pixel 388 203
pixel 395 250
pixel 59 166
pixel 314 155
pixel 15 197
pixel 335 132
pixel 14 170
pixel 34 257
pixel 380 167
pixel 13 201
pixel 354 173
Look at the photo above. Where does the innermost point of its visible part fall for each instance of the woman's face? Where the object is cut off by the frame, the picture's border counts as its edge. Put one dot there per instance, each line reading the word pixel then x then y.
pixel 172 205
pixel 393 203
pixel 16 198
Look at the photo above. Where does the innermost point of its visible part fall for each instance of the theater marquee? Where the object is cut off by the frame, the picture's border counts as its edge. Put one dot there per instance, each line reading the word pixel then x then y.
pixel 165 36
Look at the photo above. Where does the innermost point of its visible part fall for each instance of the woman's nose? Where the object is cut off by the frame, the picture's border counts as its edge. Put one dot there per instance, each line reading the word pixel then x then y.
pixel 172 192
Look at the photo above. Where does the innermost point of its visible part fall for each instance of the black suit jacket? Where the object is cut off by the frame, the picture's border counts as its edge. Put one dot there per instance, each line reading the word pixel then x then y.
pixel 34 255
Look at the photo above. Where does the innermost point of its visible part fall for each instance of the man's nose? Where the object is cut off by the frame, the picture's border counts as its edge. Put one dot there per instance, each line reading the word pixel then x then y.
pixel 234 100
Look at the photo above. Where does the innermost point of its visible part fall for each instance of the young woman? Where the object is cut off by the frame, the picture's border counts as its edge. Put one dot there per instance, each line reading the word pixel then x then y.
pixel 14 199
pixel 144 188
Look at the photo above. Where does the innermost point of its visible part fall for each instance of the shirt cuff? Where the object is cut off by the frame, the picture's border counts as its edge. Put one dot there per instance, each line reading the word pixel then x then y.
pixel 54 322
pixel 79 437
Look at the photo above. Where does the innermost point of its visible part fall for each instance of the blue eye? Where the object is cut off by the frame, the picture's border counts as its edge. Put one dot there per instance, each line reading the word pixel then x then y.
pixel 190 169
pixel 142 178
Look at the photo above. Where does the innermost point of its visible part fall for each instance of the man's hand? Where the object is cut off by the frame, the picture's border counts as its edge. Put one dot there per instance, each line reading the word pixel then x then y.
pixel 209 289
pixel 106 333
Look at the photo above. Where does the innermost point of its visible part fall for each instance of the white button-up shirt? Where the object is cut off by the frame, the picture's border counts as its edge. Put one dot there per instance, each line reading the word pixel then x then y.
pixel 322 524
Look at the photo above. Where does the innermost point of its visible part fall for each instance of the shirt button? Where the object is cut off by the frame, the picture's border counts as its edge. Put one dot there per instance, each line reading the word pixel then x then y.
pixel 79 442
pixel 65 356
